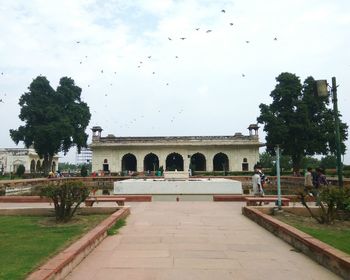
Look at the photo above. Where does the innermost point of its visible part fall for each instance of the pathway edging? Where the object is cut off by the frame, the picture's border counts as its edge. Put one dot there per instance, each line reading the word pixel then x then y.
pixel 64 262
pixel 326 255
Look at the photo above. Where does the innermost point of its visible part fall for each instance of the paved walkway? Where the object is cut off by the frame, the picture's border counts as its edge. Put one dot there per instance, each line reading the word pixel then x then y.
pixel 195 240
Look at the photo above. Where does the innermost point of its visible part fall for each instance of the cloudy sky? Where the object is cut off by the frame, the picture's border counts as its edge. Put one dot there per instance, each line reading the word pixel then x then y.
pixel 166 67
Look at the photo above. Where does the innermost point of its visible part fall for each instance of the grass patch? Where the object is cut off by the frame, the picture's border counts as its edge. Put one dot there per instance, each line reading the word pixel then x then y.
pixel 26 242
pixel 336 235
pixel 114 229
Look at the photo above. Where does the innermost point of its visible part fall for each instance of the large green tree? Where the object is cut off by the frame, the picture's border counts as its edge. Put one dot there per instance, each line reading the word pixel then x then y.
pixel 55 120
pixel 300 122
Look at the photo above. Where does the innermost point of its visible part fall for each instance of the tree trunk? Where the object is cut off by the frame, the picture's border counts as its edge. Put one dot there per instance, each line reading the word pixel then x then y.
pixel 296 164
pixel 47 163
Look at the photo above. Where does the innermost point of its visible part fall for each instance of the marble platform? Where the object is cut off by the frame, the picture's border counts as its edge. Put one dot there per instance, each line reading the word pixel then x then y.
pixel 179 187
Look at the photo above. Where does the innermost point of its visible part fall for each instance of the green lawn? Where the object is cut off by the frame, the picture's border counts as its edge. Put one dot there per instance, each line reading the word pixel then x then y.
pixel 336 235
pixel 26 242
pixel 338 238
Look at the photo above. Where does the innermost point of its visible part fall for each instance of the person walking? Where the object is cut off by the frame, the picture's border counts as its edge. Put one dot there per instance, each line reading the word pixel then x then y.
pixel 320 182
pixel 256 181
pixel 308 181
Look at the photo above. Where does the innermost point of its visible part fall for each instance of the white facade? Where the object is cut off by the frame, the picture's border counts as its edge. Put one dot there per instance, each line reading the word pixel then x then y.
pixel 85 156
pixel 209 153
pixel 11 158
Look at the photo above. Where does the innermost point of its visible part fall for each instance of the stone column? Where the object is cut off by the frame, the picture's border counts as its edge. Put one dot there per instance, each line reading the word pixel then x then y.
pixel 162 158
pixel 139 162
pixel 209 162
pixel 187 162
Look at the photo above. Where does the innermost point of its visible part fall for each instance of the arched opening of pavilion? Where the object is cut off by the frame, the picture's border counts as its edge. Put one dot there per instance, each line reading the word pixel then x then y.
pixel 151 162
pixel 198 162
pixel 129 162
pixel 38 166
pixel 174 161
pixel 32 166
pixel 220 162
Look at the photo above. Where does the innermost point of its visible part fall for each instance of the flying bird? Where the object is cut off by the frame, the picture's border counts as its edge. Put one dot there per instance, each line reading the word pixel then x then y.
pixel 149 56
pixel 209 30
pixel 2 73
pixel 247 42
pixel 176 56
pixel 78 42
pixel 182 38
pixel 153 73
pixel 275 38
pixel 169 38
pixel 101 71
pixel 1 101
pixel 231 23
pixel 197 28
pixel 243 75
pixel 223 11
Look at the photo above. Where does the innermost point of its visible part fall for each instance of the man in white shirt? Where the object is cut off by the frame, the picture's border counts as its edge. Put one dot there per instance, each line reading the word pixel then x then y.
pixel 256 180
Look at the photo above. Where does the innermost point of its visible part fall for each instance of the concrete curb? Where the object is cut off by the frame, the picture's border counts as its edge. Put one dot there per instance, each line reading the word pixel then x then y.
pixel 324 254
pixel 63 263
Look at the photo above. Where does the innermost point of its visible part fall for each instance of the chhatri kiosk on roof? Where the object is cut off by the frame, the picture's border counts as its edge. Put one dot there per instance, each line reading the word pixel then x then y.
pixel 200 153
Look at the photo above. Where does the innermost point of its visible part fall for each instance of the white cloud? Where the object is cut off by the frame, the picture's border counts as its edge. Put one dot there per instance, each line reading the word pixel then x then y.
pixel 204 83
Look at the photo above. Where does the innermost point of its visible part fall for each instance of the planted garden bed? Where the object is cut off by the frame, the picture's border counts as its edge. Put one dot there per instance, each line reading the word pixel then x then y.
pixel 27 241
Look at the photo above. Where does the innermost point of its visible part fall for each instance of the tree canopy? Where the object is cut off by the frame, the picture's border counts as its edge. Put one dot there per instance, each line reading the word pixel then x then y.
pixel 55 120
pixel 297 120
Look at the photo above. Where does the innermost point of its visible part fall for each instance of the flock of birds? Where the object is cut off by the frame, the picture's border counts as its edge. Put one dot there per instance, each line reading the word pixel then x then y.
pixel 140 65
pixel 146 60
pixel 1 100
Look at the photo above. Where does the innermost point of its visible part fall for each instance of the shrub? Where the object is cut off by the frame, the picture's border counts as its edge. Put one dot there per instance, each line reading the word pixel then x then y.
pixel 330 199
pixel 83 171
pixel 20 170
pixel 66 196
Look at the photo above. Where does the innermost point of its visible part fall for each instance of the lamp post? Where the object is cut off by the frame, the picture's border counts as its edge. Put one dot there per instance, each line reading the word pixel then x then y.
pixel 279 202
pixel 322 91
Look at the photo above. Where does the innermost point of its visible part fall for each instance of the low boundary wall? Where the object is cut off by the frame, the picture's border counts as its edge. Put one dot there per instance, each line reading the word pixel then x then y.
pixel 38 199
pixel 63 263
pixel 326 255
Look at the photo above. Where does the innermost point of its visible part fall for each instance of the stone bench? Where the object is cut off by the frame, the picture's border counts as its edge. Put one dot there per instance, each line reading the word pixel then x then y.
pixel 253 201
pixel 91 200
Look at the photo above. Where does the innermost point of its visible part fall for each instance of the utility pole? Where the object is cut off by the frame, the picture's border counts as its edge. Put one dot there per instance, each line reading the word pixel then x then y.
pixel 337 132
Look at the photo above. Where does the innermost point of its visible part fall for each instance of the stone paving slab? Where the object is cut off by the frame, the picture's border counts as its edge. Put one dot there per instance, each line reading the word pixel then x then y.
pixel 195 240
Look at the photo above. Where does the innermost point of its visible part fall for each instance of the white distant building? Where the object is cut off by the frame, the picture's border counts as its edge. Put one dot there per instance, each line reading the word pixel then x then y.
pixel 11 158
pixel 85 156
pixel 236 152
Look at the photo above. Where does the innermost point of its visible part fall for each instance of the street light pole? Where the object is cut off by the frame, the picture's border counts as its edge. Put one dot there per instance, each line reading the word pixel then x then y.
pixel 322 91
pixel 278 177
pixel 337 131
